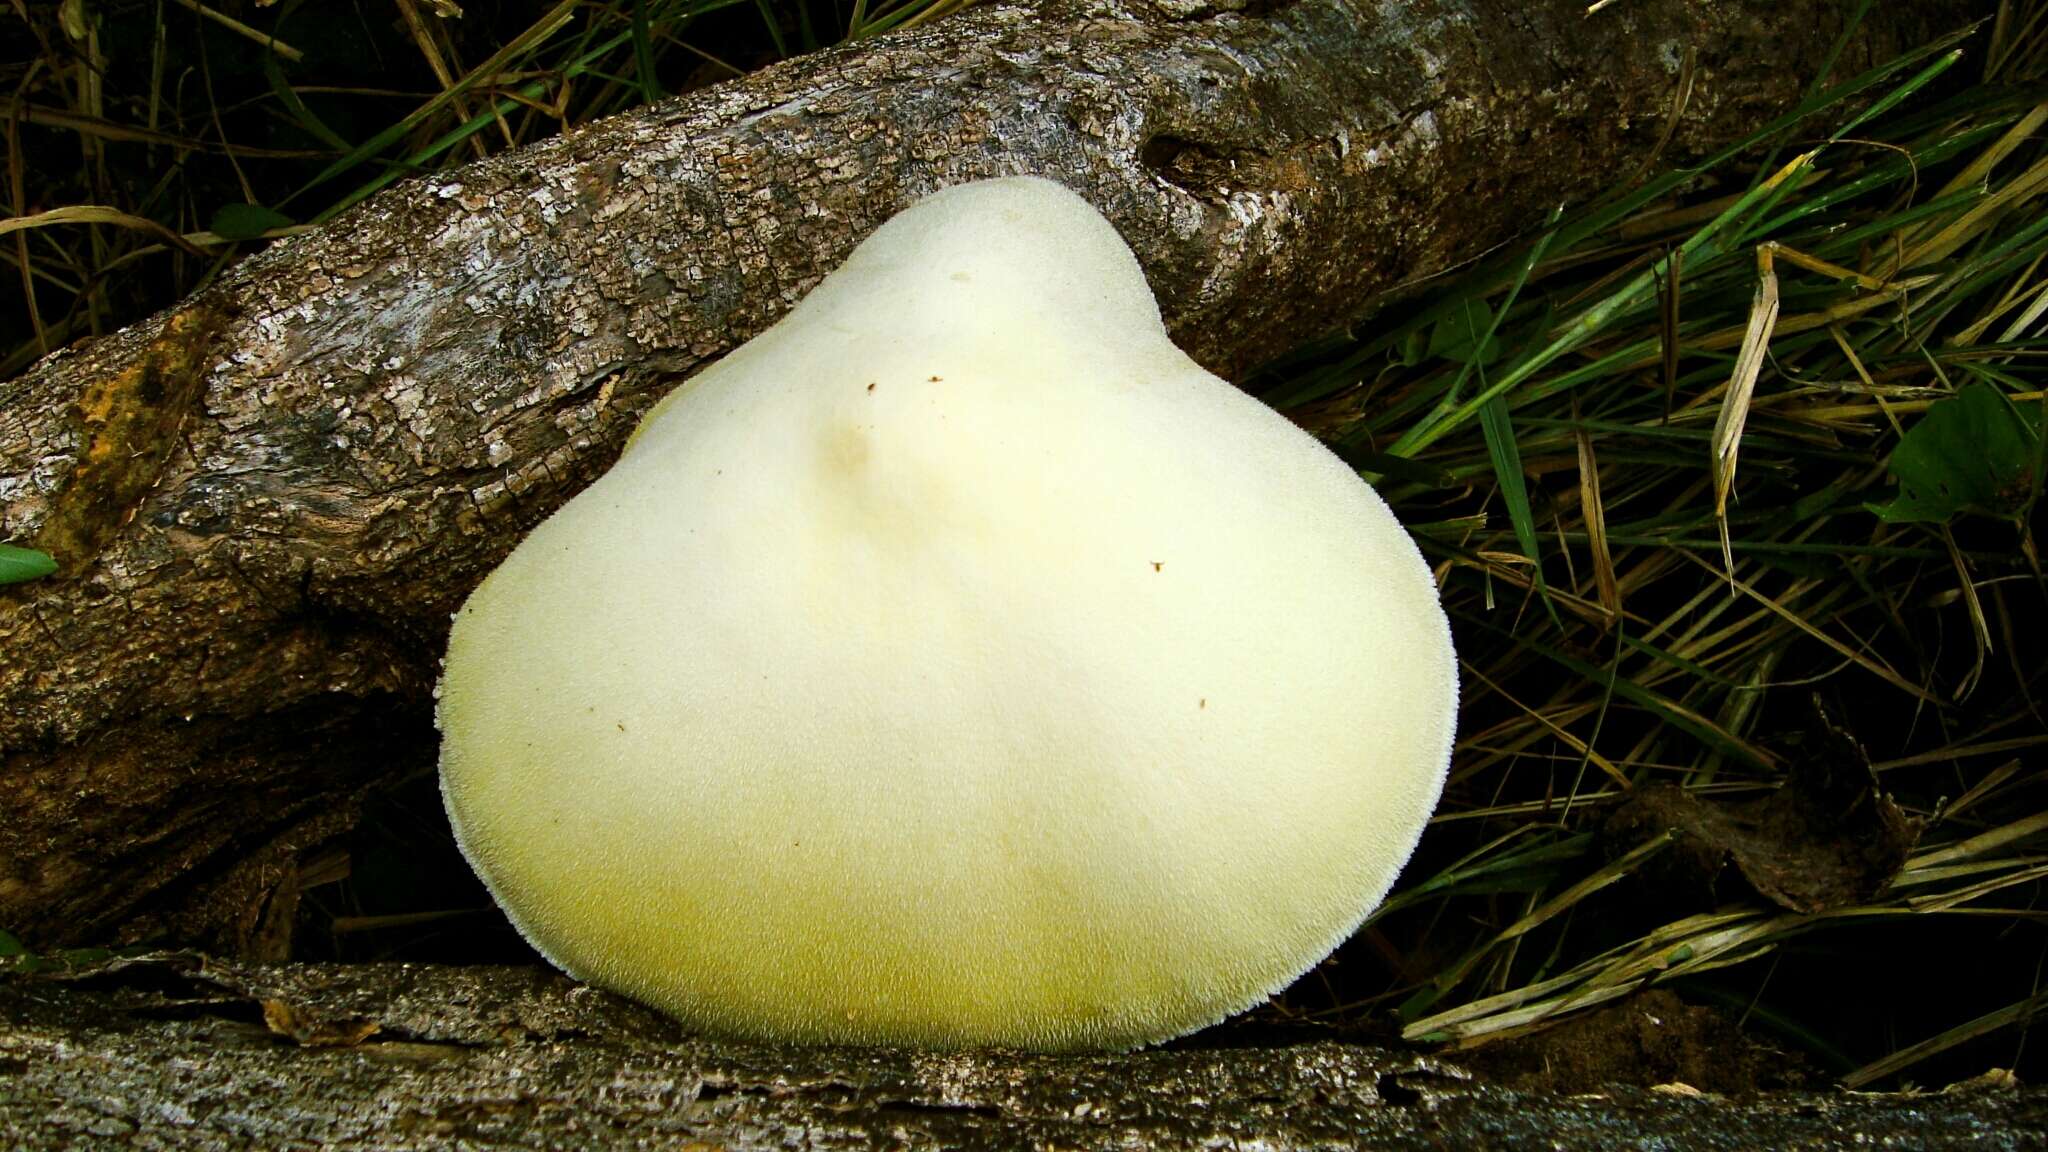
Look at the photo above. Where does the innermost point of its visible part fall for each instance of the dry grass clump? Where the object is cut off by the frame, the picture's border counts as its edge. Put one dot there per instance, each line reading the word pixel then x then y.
pixel 1755 433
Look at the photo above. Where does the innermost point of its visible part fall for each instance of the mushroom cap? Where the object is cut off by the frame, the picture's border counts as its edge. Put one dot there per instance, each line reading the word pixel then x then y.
pixel 956 663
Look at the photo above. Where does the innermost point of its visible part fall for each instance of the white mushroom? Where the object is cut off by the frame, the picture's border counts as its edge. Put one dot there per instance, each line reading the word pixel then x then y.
pixel 956 663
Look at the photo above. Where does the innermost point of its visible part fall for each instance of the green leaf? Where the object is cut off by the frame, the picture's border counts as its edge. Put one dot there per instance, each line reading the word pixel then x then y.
pixel 1466 334
pixel 1414 347
pixel 246 221
pixel 22 564
pixel 1971 452
pixel 289 97
pixel 10 945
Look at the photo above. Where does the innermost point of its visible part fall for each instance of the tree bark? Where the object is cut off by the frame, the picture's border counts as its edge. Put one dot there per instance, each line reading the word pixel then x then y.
pixel 178 1052
pixel 267 500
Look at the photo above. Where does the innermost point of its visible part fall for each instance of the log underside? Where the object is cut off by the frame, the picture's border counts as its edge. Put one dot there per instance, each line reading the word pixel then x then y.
pixel 266 501
pixel 175 1051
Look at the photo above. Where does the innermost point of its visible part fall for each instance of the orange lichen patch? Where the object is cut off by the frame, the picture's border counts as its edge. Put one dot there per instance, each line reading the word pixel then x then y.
pixel 129 424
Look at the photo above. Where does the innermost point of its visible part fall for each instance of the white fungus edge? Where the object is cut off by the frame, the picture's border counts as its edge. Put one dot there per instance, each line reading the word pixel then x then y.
pixel 1443 773
pixel 483 874
pixel 1336 940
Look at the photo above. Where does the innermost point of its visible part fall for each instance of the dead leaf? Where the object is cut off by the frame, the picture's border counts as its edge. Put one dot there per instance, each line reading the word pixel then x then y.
pixel 1829 838
pixel 313 1032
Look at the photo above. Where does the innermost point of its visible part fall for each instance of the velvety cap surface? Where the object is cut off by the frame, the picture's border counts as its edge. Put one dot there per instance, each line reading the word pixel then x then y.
pixel 956 663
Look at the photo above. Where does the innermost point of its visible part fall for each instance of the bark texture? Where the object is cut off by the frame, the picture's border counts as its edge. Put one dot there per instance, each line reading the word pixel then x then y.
pixel 267 501
pixel 178 1052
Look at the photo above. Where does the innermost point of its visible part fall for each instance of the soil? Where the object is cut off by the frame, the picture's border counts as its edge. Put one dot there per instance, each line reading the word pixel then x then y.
pixel 1651 1040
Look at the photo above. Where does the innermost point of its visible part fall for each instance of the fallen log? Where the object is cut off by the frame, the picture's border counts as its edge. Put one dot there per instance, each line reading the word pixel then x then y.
pixel 266 501
pixel 180 1052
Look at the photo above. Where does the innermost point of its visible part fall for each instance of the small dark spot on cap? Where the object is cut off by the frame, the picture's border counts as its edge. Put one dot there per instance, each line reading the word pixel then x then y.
pixel 1159 565
pixel 871 387
pixel 936 379
pixel 1204 703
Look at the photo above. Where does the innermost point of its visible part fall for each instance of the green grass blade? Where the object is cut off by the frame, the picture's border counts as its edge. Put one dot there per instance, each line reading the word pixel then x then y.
pixel 1506 455
pixel 643 55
